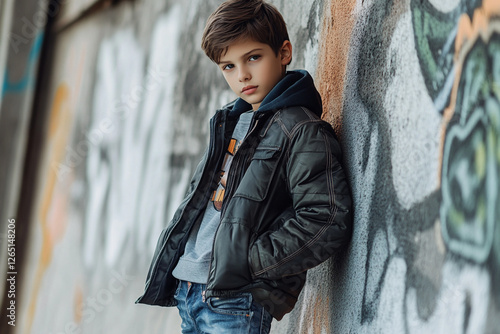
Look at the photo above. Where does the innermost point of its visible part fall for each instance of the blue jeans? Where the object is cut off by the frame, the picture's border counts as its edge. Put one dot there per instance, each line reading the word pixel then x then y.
pixel 235 315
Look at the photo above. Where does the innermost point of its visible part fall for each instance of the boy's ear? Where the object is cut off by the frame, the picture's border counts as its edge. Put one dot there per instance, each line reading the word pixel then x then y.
pixel 286 53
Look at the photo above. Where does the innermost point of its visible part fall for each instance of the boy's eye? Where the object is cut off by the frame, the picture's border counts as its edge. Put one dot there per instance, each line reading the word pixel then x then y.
pixel 254 58
pixel 227 67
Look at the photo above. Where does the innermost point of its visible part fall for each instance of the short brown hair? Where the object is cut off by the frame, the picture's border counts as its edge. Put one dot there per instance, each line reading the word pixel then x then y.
pixel 234 20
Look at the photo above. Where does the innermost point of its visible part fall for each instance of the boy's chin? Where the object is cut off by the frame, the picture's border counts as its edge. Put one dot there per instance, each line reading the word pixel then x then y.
pixel 251 101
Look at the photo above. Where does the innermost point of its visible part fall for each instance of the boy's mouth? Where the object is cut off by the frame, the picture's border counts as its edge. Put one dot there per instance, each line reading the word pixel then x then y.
pixel 249 90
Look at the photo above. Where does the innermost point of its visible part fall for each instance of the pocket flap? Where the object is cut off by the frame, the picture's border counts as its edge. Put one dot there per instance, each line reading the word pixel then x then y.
pixel 263 153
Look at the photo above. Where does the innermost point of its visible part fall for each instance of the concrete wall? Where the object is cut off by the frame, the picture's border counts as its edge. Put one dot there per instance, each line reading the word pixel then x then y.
pixel 419 112
pixel 410 86
pixel 21 39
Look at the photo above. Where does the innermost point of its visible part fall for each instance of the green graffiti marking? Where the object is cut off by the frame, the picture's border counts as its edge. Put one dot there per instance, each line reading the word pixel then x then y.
pixel 471 157
pixel 435 34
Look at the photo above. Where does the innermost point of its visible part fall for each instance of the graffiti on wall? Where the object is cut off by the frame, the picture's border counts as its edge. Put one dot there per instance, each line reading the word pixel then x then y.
pixel 421 121
pixel 457 56
pixel 458 53
pixel 120 162
pixel 78 167
pixel 136 124
pixel 470 210
pixel 419 91
pixel 27 79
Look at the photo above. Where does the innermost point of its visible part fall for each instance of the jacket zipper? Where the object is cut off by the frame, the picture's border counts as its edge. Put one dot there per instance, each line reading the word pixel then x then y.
pixel 210 152
pixel 232 176
pixel 253 125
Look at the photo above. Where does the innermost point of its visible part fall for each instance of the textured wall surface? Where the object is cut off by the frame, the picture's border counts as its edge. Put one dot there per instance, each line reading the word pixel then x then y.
pixel 412 89
pixel 21 37
pixel 420 128
pixel 129 98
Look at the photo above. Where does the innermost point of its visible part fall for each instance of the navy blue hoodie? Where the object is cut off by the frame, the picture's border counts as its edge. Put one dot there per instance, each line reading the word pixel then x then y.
pixel 296 89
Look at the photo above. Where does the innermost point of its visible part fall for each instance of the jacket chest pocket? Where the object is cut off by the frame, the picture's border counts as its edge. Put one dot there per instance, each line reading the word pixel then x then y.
pixel 259 175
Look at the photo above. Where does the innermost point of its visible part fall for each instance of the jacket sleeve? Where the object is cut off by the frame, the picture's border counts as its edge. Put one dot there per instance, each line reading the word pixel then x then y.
pixel 319 222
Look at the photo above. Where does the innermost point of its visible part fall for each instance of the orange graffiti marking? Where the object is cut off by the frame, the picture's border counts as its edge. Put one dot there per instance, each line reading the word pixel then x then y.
pixel 315 319
pixel 338 23
pixel 78 306
pixel 58 132
pixel 52 213
pixel 467 34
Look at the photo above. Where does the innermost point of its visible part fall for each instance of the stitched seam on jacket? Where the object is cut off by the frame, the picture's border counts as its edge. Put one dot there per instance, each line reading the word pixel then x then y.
pixel 309 113
pixel 271 122
pixel 295 130
pixel 331 196
pixel 283 127
pixel 329 177
pixel 312 119
pixel 300 124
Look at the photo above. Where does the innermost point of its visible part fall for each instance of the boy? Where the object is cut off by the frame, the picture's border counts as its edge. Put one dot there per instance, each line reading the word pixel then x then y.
pixel 269 199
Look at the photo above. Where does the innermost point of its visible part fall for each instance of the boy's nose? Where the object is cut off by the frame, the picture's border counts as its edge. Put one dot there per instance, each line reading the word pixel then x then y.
pixel 244 75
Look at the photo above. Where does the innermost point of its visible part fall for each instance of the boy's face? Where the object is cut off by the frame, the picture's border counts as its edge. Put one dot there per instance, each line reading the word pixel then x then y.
pixel 252 69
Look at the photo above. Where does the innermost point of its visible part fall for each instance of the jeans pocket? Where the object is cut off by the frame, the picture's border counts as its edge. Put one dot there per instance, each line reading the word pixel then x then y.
pixel 176 293
pixel 240 305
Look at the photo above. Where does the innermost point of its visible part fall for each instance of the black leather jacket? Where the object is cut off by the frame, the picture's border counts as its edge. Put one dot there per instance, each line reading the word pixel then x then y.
pixel 286 209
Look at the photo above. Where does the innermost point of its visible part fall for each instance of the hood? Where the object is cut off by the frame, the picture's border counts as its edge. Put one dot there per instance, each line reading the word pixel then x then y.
pixel 295 89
